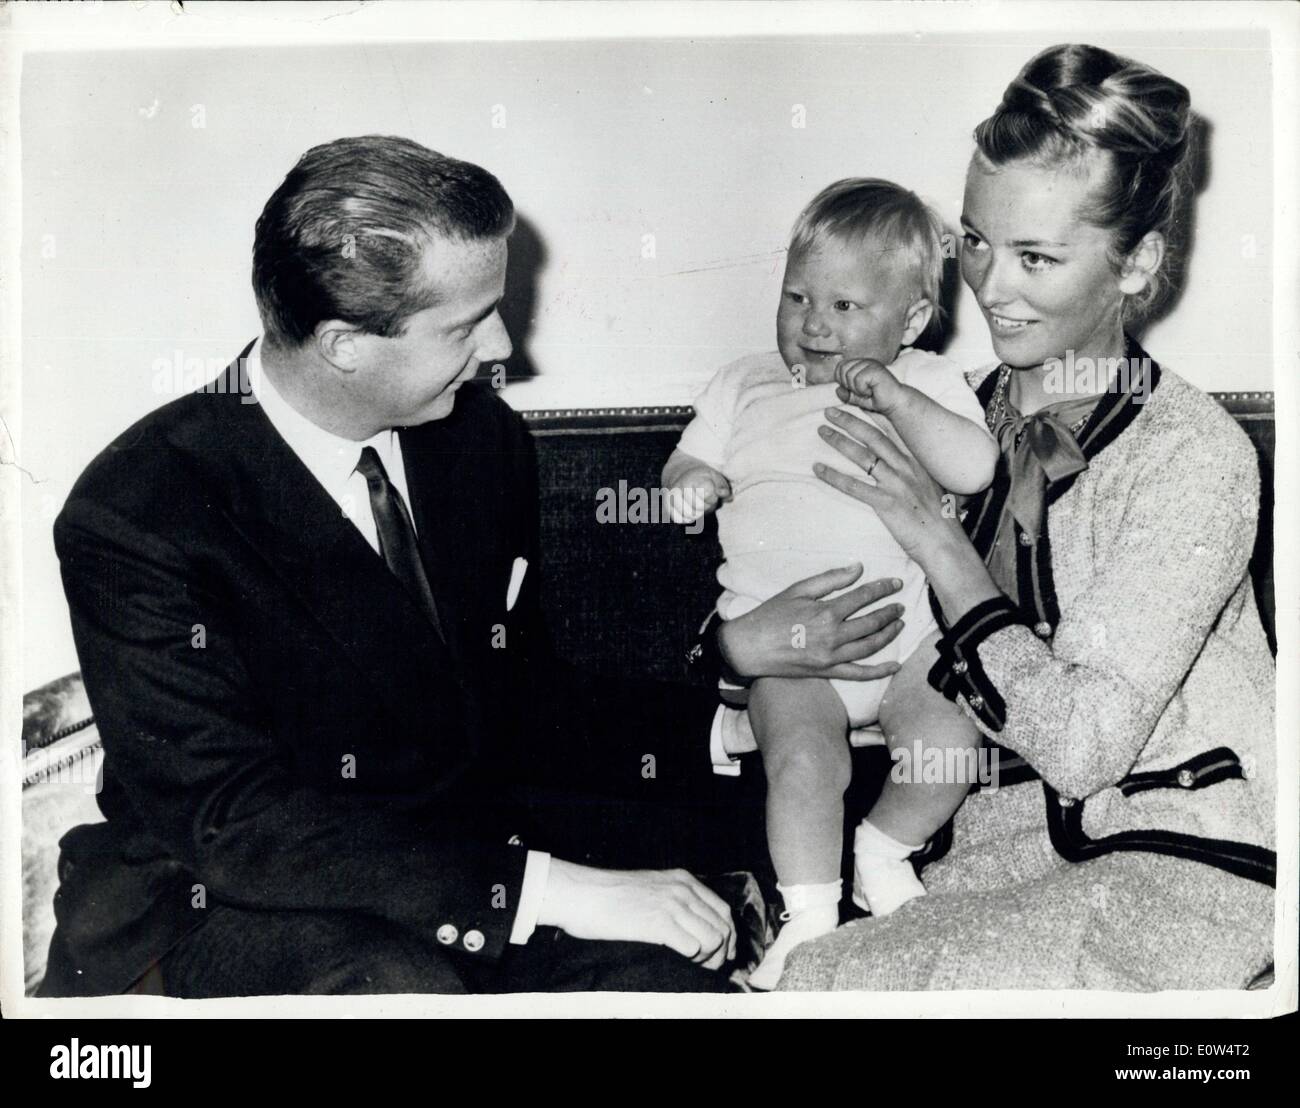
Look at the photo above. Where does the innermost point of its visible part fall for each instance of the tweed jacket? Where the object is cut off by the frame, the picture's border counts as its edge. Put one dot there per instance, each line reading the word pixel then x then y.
pixel 1134 678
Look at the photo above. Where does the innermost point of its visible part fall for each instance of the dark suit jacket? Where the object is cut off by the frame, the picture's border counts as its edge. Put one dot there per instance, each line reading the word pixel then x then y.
pixel 282 726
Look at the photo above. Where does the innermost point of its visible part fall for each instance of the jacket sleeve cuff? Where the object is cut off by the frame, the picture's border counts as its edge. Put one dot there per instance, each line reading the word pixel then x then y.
pixel 705 656
pixel 537 871
pixel 959 672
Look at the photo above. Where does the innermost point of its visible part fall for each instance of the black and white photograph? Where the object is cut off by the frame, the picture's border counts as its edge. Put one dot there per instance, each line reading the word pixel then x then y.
pixel 626 509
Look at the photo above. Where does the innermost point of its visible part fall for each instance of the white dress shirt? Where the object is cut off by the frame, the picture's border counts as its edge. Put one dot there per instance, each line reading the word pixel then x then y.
pixel 332 460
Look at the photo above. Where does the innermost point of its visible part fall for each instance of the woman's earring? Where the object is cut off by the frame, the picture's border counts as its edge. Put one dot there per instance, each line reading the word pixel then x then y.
pixel 1133 282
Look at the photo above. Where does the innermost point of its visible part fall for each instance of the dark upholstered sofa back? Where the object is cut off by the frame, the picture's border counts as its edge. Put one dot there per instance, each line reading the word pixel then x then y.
pixel 629 598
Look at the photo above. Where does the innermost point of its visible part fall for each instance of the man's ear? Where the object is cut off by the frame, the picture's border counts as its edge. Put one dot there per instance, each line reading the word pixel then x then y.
pixel 1142 263
pixel 337 343
pixel 917 320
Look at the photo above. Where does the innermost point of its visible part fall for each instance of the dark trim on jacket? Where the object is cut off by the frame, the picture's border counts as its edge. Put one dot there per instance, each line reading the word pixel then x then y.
pixel 1072 842
pixel 959 671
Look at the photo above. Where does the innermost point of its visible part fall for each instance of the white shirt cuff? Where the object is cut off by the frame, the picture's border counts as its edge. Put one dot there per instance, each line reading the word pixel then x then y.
pixel 537 871
pixel 723 763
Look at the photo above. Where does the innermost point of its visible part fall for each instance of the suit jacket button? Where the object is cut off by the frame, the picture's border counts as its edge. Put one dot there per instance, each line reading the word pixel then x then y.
pixel 959 668
pixel 1043 629
pixel 474 941
pixel 1026 539
pixel 976 702
pixel 1066 801
pixel 1186 778
pixel 447 934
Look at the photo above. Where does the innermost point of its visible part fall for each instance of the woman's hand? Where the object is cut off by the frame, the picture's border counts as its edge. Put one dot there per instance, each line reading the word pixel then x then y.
pixel 919 514
pixel 798 634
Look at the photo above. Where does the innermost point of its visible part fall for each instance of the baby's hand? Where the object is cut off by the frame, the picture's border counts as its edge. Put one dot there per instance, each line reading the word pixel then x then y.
pixel 867 384
pixel 696 492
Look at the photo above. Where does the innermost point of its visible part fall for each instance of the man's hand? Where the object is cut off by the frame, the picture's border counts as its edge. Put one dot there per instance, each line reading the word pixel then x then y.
pixel 666 907
pixel 696 492
pixel 867 384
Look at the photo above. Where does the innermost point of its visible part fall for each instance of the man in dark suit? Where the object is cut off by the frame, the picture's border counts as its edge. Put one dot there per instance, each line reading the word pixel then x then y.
pixel 337 749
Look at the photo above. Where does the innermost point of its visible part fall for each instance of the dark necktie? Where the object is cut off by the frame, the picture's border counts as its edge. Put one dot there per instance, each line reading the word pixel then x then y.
pixel 397 543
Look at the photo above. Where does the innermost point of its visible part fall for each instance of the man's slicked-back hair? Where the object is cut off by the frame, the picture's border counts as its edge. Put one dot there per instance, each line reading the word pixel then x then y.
pixel 345 234
pixel 871 214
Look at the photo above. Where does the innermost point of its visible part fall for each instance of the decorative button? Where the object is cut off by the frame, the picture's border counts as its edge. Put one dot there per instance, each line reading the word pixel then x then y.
pixel 959 668
pixel 1186 778
pixel 473 941
pixel 1066 801
pixel 447 934
pixel 976 702
pixel 1042 629
pixel 1026 539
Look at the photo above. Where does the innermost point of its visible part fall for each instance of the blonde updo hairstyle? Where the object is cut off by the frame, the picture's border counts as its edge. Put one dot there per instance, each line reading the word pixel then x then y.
pixel 1072 105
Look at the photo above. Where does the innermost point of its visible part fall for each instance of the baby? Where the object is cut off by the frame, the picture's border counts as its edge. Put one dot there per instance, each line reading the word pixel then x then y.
pixel 861 284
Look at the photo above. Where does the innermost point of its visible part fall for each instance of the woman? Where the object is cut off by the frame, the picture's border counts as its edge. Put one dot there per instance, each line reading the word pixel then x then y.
pixel 1098 617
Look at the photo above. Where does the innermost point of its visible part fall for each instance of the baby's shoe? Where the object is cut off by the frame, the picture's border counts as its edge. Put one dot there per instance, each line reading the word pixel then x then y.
pixel 883 877
pixel 810 911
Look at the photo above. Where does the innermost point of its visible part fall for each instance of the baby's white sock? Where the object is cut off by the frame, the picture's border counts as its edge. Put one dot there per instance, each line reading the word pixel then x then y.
pixel 883 878
pixel 810 910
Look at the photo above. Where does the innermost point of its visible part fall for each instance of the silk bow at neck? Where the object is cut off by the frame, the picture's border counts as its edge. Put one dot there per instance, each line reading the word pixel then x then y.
pixel 1039 449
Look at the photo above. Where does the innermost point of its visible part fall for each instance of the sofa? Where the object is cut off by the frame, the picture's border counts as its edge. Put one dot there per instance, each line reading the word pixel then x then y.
pixel 620 599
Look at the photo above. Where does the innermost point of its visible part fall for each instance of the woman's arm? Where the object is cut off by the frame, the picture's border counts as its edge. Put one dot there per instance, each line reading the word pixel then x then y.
pixel 1081 708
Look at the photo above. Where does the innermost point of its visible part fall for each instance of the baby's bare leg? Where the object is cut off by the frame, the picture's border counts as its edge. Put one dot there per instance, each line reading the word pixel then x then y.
pixel 920 727
pixel 800 726
pixel 917 719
